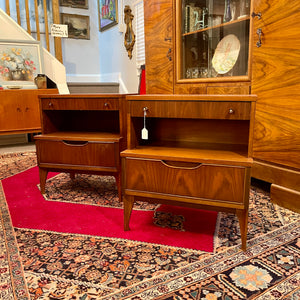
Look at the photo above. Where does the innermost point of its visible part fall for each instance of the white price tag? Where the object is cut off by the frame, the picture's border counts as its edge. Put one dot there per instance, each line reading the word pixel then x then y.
pixel 144 130
pixel 144 134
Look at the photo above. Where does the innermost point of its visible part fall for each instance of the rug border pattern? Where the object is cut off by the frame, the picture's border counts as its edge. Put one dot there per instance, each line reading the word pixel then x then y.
pixel 151 289
pixel 18 283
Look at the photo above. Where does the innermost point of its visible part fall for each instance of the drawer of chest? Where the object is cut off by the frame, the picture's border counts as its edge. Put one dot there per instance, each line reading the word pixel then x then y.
pixel 205 181
pixel 191 109
pixel 80 104
pixel 81 153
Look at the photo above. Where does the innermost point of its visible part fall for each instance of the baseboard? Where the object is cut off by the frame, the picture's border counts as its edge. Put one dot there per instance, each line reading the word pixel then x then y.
pixel 284 197
pixel 93 87
pixel 279 175
pixel 13 139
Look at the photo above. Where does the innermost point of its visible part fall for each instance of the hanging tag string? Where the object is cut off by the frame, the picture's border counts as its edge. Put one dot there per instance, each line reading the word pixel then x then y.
pixel 144 130
pixel 145 114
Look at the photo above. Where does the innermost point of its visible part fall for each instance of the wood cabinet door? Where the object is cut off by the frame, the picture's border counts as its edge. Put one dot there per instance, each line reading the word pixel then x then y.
pixel 276 73
pixel 159 46
pixel 20 111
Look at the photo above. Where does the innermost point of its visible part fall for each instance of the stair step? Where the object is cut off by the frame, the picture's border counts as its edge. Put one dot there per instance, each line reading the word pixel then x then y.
pixel 93 87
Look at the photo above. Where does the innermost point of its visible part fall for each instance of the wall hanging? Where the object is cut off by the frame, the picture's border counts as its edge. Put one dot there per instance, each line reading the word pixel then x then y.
pixel 20 62
pixel 129 38
pixel 108 13
pixel 75 3
pixel 78 26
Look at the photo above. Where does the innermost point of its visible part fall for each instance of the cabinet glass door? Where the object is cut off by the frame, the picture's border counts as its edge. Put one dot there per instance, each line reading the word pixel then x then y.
pixel 214 39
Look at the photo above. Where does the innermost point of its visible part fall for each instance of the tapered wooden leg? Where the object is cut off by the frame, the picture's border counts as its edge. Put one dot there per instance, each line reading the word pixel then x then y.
pixel 243 220
pixel 128 205
pixel 118 182
pixel 72 175
pixel 43 177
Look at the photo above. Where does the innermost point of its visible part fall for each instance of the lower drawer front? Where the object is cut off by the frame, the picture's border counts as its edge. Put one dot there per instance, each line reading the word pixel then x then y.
pixel 215 182
pixel 78 153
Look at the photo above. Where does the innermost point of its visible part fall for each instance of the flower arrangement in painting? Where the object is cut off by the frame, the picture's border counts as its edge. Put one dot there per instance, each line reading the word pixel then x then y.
pixel 16 64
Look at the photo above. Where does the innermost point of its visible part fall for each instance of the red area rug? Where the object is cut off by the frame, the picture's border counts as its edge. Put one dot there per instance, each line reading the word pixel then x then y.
pixel 29 209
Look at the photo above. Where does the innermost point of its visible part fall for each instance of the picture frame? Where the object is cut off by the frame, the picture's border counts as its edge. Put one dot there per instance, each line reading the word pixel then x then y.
pixel 75 3
pixel 20 62
pixel 107 13
pixel 78 25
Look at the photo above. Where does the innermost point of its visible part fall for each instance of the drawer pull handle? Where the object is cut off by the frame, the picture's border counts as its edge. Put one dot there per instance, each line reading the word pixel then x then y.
pixel 75 143
pixel 106 104
pixel 181 164
pixel 231 111
pixel 259 33
pixel 50 104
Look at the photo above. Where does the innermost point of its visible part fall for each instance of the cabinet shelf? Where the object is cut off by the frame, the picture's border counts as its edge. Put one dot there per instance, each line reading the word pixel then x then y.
pixel 81 136
pixel 217 26
pixel 207 154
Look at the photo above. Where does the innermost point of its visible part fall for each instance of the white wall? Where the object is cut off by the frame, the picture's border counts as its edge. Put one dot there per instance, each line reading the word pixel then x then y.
pixel 81 57
pixel 114 60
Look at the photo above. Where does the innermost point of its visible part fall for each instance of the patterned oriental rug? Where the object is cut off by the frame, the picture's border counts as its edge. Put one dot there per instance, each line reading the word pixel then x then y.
pixel 43 264
pixel 100 212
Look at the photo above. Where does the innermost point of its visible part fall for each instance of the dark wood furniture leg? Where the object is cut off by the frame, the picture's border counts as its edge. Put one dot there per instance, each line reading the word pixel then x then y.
pixel 128 205
pixel 242 215
pixel 43 177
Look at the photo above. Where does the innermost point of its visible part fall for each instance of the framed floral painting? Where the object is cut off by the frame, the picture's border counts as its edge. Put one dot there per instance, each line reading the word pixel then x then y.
pixel 20 62
pixel 108 13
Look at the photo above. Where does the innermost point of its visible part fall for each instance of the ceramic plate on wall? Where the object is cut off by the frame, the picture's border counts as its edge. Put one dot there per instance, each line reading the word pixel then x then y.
pixel 226 54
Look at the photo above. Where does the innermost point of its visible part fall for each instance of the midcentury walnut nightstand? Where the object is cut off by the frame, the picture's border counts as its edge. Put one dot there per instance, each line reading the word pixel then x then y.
pixel 197 153
pixel 81 134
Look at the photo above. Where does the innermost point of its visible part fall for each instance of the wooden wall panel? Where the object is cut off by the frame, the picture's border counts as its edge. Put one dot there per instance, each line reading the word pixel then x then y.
pixel 159 46
pixel 276 73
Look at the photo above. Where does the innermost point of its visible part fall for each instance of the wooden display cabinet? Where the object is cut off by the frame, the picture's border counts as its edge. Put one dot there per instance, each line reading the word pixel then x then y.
pixel 198 153
pixel 204 53
pixel 268 66
pixel 276 144
pixel 81 134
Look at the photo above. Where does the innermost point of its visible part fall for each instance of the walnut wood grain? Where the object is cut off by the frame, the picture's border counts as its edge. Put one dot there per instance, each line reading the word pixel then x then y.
pixel 227 90
pixel 192 109
pixel 208 155
pixel 276 73
pixel 159 54
pixel 195 155
pixel 285 197
pixel 81 134
pixel 289 178
pixel 211 182
pixel 189 88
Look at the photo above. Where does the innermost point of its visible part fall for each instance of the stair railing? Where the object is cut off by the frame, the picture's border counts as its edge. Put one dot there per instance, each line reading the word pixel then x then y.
pixel 34 18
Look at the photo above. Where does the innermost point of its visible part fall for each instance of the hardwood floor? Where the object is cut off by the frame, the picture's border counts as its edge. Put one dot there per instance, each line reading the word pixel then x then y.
pixel 17 148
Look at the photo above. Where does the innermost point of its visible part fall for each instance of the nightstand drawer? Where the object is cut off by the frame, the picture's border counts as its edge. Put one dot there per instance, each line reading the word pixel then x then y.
pixel 234 110
pixel 189 180
pixel 78 153
pixel 79 104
